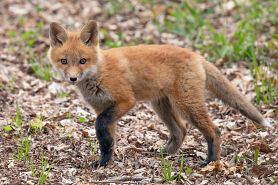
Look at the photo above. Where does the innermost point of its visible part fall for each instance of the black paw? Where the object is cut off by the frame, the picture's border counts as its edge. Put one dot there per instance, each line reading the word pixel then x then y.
pixel 97 164
pixel 204 164
pixel 103 161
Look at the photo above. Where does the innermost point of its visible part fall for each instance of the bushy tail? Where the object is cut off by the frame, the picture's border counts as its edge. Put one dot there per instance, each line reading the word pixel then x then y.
pixel 218 84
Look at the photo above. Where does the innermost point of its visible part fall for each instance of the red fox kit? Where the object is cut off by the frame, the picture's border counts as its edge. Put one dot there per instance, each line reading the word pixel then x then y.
pixel 174 79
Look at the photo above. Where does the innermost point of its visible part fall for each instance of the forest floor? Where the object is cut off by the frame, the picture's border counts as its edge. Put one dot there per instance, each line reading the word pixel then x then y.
pixel 47 133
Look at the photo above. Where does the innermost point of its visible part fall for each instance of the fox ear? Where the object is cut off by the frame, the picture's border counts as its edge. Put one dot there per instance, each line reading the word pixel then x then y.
pixel 89 33
pixel 57 34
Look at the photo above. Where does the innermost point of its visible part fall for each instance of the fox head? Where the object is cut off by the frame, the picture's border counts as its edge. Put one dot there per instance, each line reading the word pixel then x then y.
pixel 74 54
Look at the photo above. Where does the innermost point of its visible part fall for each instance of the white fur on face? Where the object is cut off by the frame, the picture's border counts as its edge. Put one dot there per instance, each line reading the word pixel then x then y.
pixel 90 72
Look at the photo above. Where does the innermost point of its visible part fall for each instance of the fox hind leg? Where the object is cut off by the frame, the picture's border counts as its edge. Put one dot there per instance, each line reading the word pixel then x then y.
pixel 167 114
pixel 211 133
pixel 192 105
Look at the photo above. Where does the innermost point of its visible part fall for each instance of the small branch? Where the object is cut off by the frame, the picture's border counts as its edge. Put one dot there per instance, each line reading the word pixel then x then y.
pixel 121 179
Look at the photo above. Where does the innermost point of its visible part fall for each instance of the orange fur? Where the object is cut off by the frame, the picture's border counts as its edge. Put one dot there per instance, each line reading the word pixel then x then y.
pixel 172 78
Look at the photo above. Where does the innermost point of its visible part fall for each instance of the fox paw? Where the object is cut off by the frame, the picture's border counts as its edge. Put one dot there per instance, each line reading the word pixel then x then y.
pixel 204 164
pixel 97 164
pixel 103 161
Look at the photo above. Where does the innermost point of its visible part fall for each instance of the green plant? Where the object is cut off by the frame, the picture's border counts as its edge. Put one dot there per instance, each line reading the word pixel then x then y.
pixel 221 45
pixel 188 170
pixel 184 20
pixel 23 149
pixel 275 180
pixel 32 167
pixel 36 124
pixel 265 86
pixel 26 39
pixel 11 34
pixel 82 120
pixel 256 155
pixel 243 40
pixel 217 46
pixel 40 25
pixel 167 169
pixel 39 9
pixel 179 175
pixel 17 119
pixel 45 170
pixel 29 37
pixel 63 94
pixel 189 22
pixel 21 20
pixel 235 48
pixel 93 146
pixel 8 128
pixel 112 43
pixel 41 70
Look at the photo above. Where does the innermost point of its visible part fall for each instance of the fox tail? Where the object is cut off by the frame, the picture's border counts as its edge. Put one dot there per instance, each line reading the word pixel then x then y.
pixel 219 85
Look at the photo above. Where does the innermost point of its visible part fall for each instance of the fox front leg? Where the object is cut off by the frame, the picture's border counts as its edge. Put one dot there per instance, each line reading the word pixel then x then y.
pixel 105 135
pixel 105 129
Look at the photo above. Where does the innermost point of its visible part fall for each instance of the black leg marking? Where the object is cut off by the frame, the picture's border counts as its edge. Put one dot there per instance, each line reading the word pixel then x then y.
pixel 211 153
pixel 105 139
pixel 211 150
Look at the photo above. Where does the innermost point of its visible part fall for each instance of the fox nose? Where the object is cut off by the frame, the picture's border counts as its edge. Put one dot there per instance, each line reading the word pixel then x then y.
pixel 73 79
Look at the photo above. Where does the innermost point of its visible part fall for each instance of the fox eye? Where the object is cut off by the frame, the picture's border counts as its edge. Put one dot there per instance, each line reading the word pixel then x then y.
pixel 64 61
pixel 82 61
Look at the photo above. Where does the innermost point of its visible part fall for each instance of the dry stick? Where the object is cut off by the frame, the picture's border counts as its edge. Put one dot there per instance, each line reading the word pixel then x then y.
pixel 125 178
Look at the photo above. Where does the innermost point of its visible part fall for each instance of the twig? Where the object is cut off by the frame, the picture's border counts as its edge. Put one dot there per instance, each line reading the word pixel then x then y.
pixel 127 178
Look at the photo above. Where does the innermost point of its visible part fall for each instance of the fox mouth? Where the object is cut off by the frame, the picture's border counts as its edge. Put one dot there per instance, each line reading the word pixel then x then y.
pixel 73 83
pixel 73 80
